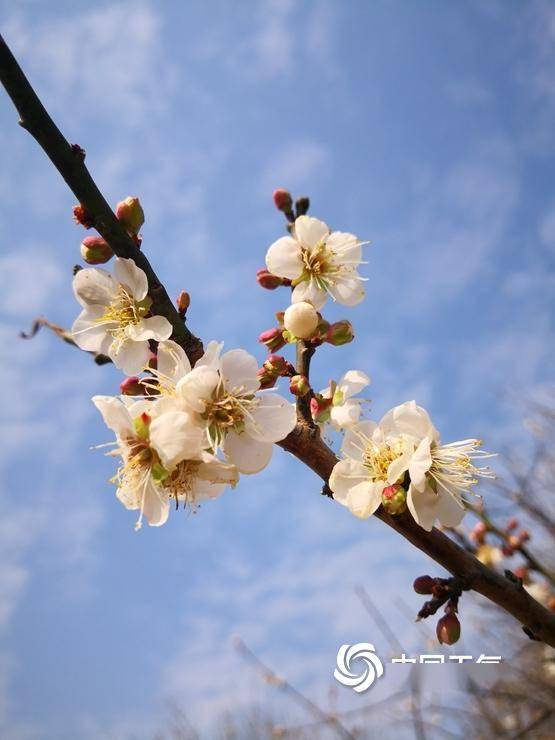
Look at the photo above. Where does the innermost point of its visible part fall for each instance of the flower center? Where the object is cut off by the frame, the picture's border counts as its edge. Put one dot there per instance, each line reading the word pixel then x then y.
pixel 226 411
pixel 179 482
pixel 318 265
pixel 124 311
pixel 378 458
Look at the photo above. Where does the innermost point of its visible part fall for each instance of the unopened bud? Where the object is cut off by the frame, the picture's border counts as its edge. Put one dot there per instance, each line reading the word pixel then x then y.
pixel 302 205
pixel 277 365
pixel 394 499
pixel 131 214
pixel 266 379
pixel 282 200
pixel 423 585
pixel 448 629
pixel 273 339
pixel 301 319
pixel 183 302
pixel 319 336
pixel 83 216
pixel 320 408
pixel 95 250
pixel 524 536
pixel 132 387
pixel 340 333
pixel 512 524
pixel 523 573
pixel 551 603
pixel 479 532
pixel 266 280
pixel 299 385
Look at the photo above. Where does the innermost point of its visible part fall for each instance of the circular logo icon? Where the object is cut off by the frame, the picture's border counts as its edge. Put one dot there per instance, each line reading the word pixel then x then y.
pixel 365 654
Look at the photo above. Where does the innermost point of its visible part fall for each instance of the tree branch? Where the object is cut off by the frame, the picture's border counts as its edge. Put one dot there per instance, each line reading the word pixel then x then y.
pixel 304 442
pixel 70 163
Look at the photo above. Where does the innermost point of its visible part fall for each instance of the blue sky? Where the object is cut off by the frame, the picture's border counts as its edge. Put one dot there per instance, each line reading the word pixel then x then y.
pixel 423 127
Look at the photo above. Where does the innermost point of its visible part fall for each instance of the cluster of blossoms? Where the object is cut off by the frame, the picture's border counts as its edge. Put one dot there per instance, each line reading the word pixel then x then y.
pixel 184 433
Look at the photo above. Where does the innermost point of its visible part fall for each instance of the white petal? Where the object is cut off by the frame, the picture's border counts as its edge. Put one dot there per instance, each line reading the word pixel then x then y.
pixel 352 383
pixel 284 258
pixel 93 286
pixel 365 498
pixel 309 231
pixel 131 357
pixel 309 291
pixel 410 419
pixel 128 274
pixel 115 415
pixel 217 472
pixel 423 505
pixel 172 362
pixel 249 455
pixel 175 438
pixel 211 356
pixel 398 467
pixel 420 463
pixel 345 475
pixel 346 247
pixel 355 439
pixel 239 372
pixel 203 490
pixel 272 419
pixel 346 415
pixel 347 290
pixel 155 327
pixel 88 333
pixel 156 507
pixel 450 512
pixel 197 387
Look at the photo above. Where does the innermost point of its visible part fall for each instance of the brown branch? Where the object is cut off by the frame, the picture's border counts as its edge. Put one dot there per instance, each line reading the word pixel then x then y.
pixel 304 352
pixel 70 163
pixel 537 621
pixel 305 441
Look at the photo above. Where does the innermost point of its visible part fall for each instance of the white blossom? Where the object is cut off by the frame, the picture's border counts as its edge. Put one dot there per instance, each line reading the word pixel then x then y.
pixel 319 263
pixel 221 394
pixel 405 441
pixel 115 318
pixel 345 410
pixel 161 458
pixel 301 319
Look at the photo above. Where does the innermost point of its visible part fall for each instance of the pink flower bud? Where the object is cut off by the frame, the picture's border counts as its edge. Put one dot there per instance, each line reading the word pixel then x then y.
pixel 299 385
pixel 320 408
pixel 448 629
pixel 340 333
pixel 266 280
pixel 273 339
pixel 512 524
pixel 131 214
pixel 302 205
pixel 479 532
pixel 423 584
pixel 266 379
pixel 95 250
pixel 282 200
pixel 277 365
pixel 132 387
pixel 523 573
pixel 82 216
pixel 183 302
pixel 394 499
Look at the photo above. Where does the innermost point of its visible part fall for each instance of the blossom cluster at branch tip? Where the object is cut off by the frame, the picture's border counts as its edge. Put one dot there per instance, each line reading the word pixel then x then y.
pixel 198 430
pixel 319 263
pixel 405 449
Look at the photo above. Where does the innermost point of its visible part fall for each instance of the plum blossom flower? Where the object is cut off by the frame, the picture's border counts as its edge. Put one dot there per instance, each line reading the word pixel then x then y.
pixel 344 411
pixel 222 395
pixel 115 318
pixel 406 442
pixel 319 263
pixel 161 459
